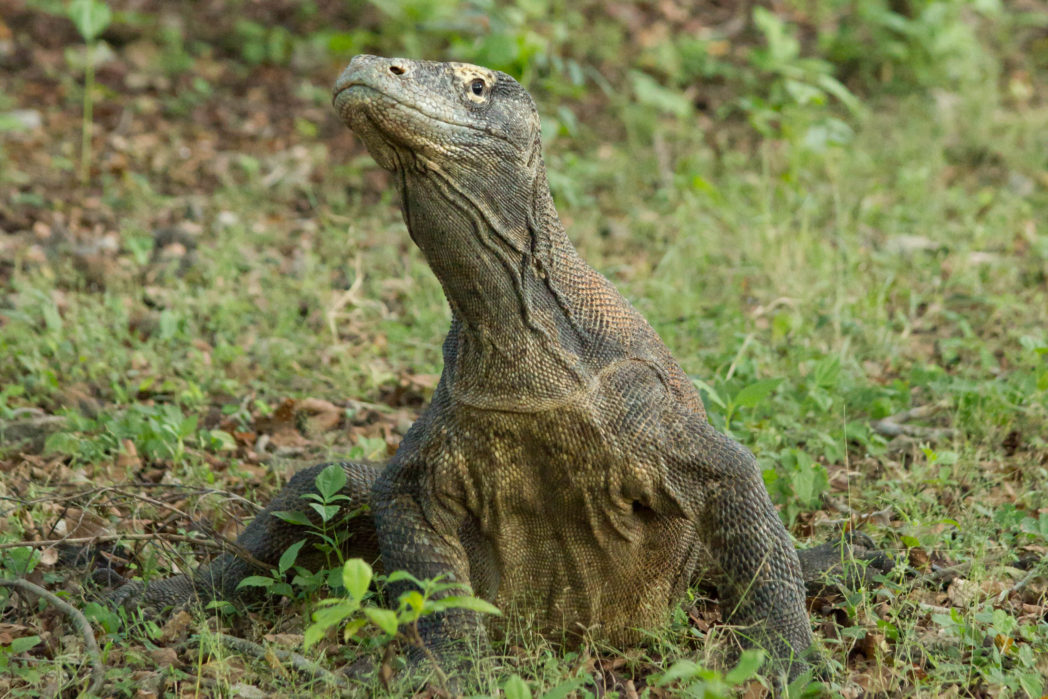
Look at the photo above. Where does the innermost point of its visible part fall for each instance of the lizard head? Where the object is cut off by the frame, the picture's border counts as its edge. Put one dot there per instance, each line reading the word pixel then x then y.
pixel 464 145
pixel 474 124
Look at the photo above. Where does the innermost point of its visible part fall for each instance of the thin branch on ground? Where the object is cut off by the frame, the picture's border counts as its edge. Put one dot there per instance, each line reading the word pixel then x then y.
pixel 298 662
pixel 223 545
pixel 946 575
pixel 94 656
pixel 1034 573
pixel 897 425
pixel 853 517
pixel 189 490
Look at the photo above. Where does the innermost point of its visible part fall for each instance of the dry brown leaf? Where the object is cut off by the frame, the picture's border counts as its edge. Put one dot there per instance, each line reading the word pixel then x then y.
pixel 289 640
pixel 753 689
pixel 164 657
pixel 79 523
pixel 9 632
pixel 963 592
pixel 128 456
pixel 177 627
pixel 321 415
pixel 48 557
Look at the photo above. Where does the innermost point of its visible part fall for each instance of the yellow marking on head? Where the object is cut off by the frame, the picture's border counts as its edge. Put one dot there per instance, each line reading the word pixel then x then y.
pixel 466 73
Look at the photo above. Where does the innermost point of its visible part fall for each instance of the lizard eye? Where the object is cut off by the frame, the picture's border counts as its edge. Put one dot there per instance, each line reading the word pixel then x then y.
pixel 477 86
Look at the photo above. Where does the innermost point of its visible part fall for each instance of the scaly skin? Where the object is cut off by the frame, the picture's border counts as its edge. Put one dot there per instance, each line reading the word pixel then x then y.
pixel 565 468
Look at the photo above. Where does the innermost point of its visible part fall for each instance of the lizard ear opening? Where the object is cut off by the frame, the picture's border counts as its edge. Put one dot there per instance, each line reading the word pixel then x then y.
pixel 643 510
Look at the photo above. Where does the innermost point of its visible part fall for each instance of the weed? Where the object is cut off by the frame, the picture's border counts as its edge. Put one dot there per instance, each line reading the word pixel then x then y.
pixel 91 18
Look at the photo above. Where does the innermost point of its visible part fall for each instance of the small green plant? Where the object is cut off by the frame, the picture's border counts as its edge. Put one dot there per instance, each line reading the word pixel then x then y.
pixel 749 396
pixel 327 503
pixel 694 680
pixel 91 18
pixel 18 562
pixel 994 645
pixel 793 80
pixel 158 432
pixel 516 687
pixel 356 611
pixel 16 647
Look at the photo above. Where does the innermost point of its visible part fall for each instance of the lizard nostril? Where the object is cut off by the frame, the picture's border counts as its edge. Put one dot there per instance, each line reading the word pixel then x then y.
pixel 396 70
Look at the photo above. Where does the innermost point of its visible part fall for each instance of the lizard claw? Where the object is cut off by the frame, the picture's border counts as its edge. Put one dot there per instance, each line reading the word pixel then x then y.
pixel 850 561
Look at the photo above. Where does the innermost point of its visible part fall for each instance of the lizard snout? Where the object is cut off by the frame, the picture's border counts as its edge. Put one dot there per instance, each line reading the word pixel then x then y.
pixel 371 71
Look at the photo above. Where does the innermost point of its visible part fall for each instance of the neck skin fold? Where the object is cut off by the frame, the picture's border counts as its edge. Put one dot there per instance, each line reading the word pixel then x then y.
pixel 500 263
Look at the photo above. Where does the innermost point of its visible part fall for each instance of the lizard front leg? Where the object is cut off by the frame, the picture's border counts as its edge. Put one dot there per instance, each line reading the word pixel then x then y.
pixel 720 486
pixel 419 534
pixel 265 539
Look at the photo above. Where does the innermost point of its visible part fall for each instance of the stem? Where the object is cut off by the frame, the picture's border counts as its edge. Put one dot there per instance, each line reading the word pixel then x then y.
pixel 81 623
pixel 86 123
pixel 416 640
pixel 298 662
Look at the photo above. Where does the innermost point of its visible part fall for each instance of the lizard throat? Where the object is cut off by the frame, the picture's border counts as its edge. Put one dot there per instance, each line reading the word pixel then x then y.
pixel 497 277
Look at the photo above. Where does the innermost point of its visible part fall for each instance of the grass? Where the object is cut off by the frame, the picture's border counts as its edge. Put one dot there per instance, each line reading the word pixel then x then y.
pixel 810 289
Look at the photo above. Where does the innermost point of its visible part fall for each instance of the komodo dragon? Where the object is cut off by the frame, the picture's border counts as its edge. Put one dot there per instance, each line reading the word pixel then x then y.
pixel 565 468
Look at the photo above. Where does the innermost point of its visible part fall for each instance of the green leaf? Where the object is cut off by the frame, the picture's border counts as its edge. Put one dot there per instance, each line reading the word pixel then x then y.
pixel 650 93
pixel 334 614
pixel 710 392
pixel 809 482
pixel 287 559
pixel 562 690
pixel 752 395
pixel 1032 684
pixel 682 669
pixel 256 581
pixel 385 619
pixel 356 577
pixel 222 440
pixel 314 632
pixel 52 318
pixel 91 17
pixel 104 616
pixel 21 645
pixel 326 512
pixel 352 626
pixel 749 663
pixel 223 607
pixel 330 481
pixel 413 600
pixel 474 604
pixel 516 688
pixel 835 88
pixel 399 575
pixel 294 517
pixel 827 372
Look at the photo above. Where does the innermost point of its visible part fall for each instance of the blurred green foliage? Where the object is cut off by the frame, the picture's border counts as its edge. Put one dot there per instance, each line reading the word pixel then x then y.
pixel 809 63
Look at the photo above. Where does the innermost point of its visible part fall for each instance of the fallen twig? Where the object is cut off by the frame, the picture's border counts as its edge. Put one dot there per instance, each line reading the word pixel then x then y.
pixel 119 489
pixel 853 517
pixel 221 544
pixel 1021 584
pixel 79 620
pixel 299 662
pixel 895 425
pixel 947 575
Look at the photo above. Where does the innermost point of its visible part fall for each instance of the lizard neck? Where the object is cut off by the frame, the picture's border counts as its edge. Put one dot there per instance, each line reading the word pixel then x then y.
pixel 502 260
